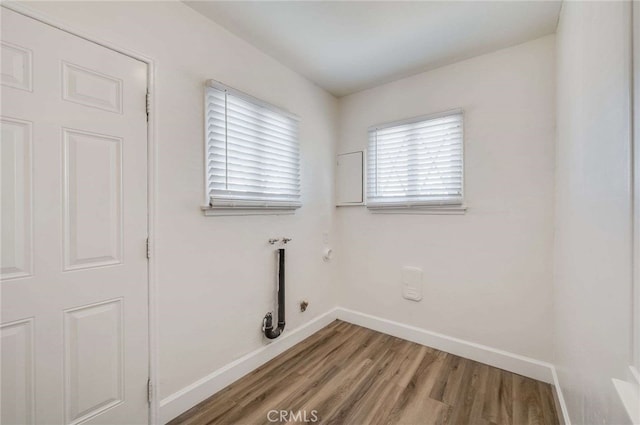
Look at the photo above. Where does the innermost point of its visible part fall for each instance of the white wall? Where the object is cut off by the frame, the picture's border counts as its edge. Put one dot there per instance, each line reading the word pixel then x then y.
pixel 216 275
pixel 593 203
pixel 488 273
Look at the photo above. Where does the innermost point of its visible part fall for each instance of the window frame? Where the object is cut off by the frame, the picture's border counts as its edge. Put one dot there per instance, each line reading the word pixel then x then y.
pixel 246 206
pixel 420 207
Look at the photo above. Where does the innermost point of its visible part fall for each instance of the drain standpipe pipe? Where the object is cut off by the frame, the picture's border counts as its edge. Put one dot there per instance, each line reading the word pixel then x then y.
pixel 269 332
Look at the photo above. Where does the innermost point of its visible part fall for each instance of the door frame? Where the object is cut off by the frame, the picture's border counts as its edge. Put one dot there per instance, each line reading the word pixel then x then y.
pixel 151 182
pixel 635 189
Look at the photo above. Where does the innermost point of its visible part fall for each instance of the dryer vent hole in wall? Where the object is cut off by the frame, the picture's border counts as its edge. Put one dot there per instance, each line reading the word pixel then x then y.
pixel 412 283
pixel 303 306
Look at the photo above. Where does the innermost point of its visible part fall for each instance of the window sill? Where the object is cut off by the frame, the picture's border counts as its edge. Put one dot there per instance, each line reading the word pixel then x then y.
pixel 421 210
pixel 240 211
pixel 351 204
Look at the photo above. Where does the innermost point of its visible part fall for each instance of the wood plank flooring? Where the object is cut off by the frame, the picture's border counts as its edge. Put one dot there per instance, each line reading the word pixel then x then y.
pixel 347 374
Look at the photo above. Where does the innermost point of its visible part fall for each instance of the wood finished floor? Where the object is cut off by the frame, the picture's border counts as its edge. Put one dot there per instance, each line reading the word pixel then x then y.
pixel 352 375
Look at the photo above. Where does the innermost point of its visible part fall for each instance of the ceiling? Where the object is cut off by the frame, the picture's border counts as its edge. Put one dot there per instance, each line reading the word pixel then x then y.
pixel 348 46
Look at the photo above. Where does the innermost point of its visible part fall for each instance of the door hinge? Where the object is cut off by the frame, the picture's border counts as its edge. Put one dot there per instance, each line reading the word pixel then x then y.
pixel 148 104
pixel 149 391
pixel 148 249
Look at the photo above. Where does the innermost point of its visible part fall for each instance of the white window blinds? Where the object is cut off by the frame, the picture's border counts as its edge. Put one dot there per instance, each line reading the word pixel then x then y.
pixel 253 158
pixel 417 162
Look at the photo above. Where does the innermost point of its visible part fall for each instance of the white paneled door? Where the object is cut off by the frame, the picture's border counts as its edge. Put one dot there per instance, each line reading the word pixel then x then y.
pixel 74 328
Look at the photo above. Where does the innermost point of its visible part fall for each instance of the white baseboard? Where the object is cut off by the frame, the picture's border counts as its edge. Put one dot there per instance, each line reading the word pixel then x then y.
pixel 186 398
pixel 515 363
pixel 179 402
pixel 560 398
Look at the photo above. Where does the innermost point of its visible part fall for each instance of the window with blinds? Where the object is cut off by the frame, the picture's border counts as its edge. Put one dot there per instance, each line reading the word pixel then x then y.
pixel 417 162
pixel 253 159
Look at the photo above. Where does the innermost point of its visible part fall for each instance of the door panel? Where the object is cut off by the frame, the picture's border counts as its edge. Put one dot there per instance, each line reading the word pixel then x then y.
pixel 16 177
pixel 94 357
pixel 92 199
pixel 91 88
pixel 16 66
pixel 17 372
pixel 74 228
